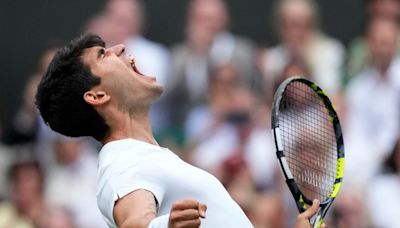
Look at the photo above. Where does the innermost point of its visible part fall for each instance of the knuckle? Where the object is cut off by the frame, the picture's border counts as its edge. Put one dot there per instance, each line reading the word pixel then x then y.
pixel 198 222
pixel 173 216
pixel 192 201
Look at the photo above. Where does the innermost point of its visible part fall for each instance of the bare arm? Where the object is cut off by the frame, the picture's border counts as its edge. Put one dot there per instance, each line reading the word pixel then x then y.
pixel 135 210
pixel 138 210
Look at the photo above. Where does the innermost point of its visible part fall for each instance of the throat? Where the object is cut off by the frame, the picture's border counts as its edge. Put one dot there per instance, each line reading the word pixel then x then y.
pixel 131 126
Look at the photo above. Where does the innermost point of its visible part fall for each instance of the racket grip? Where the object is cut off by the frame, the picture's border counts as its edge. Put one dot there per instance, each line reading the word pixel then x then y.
pixel 318 221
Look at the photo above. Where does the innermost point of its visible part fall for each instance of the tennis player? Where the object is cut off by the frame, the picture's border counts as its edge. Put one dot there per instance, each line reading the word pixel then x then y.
pixel 90 90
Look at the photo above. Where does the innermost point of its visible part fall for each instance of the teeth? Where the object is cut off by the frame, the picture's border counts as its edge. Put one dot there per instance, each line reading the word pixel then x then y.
pixel 132 60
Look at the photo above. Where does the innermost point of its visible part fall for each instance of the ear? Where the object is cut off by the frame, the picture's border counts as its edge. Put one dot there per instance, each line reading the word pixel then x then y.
pixel 96 98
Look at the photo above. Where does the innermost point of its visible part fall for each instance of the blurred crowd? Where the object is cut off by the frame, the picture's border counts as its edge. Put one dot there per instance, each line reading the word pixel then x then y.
pixel 215 114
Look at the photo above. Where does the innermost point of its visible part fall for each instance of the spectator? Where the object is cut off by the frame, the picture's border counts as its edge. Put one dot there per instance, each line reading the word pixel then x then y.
pixel 296 67
pixel 372 101
pixel 126 19
pixel 225 138
pixel 349 209
pixel 27 128
pixel 123 21
pixel 98 24
pixel 58 217
pixel 358 54
pixel 72 181
pixel 267 211
pixel 6 160
pixel 10 218
pixel 383 198
pixel 26 193
pixel 26 123
pixel 208 43
pixel 300 38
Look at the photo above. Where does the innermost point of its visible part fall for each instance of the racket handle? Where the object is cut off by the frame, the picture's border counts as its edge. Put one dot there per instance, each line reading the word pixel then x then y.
pixel 318 221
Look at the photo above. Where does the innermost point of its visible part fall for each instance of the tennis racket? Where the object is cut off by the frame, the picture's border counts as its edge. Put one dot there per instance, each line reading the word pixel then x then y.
pixel 309 144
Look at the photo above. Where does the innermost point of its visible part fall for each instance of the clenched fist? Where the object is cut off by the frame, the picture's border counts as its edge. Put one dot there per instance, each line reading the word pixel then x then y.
pixel 186 214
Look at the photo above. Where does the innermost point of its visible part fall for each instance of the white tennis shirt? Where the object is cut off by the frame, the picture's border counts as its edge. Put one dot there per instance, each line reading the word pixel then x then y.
pixel 128 165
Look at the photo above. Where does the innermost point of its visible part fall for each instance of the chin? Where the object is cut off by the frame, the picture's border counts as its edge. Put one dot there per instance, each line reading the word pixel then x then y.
pixel 155 90
pixel 158 89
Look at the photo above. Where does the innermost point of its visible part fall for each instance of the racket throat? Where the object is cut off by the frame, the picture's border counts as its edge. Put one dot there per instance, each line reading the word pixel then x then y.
pixel 301 203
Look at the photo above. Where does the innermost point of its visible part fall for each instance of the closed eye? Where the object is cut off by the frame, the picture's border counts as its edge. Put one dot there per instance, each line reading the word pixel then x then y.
pixel 100 53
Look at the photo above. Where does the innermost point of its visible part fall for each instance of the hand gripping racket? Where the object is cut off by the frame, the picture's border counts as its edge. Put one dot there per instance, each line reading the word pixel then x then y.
pixel 309 144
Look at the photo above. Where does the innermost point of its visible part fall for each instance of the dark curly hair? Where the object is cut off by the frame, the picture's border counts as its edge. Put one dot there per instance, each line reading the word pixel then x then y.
pixel 60 93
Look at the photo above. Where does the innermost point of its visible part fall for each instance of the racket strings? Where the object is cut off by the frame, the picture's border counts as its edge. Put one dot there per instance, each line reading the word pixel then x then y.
pixel 309 140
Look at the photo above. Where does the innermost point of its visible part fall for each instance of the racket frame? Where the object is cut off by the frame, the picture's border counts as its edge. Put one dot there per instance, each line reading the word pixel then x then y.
pixel 302 202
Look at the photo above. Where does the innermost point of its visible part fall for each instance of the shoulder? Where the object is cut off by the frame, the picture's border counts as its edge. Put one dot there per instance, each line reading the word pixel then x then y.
pixel 327 44
pixel 127 168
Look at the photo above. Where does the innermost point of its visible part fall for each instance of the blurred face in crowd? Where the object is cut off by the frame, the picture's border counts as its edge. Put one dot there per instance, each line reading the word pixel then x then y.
pixel 268 211
pixel 348 210
pixel 296 23
pixel 67 149
pixel 206 18
pixel 33 82
pixel 123 18
pixel 296 67
pixel 382 41
pixel 121 82
pixel 222 82
pixel 58 217
pixel 385 8
pixel 27 186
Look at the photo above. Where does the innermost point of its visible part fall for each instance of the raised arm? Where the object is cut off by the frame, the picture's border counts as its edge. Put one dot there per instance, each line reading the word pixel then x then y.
pixel 135 210
pixel 138 210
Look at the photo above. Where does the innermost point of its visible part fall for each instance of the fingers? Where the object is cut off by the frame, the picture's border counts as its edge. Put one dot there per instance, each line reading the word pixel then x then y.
pixel 185 204
pixel 303 218
pixel 323 225
pixel 188 223
pixel 312 210
pixel 190 204
pixel 187 213
pixel 202 210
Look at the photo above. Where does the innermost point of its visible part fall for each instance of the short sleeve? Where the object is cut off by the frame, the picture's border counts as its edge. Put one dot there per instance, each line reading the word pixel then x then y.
pixel 125 180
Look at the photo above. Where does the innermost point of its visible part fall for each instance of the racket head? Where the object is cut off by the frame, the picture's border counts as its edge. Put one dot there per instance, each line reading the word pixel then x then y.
pixel 309 142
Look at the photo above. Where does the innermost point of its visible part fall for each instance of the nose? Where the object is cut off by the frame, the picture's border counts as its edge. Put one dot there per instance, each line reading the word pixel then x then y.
pixel 116 49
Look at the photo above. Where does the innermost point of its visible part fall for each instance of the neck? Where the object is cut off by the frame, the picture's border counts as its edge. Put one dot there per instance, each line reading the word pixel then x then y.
pixel 136 126
pixel 382 67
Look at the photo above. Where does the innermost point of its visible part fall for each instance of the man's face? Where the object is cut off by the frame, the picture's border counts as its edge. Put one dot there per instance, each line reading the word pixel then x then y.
pixel 128 88
pixel 296 25
pixel 382 41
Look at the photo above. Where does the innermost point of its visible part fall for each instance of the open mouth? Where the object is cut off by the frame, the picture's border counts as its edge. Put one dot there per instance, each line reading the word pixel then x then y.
pixel 133 65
